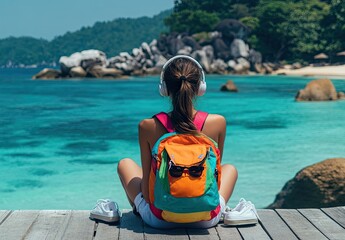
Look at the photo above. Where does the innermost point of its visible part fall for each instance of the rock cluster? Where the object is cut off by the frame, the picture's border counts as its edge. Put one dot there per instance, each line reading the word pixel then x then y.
pixel 316 186
pixel 319 90
pixel 221 51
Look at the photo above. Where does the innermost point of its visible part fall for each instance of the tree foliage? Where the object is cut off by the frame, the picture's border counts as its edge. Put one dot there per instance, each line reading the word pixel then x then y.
pixel 281 29
pixel 192 21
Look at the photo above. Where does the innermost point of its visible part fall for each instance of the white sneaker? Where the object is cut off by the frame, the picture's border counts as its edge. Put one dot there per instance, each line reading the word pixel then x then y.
pixel 243 214
pixel 106 210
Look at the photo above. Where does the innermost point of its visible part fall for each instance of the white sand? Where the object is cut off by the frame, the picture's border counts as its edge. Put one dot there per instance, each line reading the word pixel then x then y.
pixel 337 71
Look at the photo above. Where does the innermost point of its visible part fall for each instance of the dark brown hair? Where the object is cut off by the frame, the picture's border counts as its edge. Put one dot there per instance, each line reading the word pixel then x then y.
pixel 182 78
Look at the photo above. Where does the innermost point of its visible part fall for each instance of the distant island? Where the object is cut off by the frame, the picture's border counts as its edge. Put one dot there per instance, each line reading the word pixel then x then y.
pixel 111 37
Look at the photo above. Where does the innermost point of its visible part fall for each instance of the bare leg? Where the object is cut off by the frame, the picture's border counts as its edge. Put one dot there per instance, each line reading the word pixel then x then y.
pixel 130 175
pixel 228 181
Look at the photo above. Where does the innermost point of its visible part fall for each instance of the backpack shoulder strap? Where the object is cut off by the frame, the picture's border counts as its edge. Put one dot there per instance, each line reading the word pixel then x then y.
pixel 199 120
pixel 164 119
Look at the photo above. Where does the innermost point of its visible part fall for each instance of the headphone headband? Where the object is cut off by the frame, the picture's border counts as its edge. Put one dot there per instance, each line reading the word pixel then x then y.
pixel 162 86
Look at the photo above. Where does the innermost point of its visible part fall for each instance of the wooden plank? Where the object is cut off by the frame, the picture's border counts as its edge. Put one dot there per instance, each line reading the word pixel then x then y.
pixel 17 224
pixel 227 232
pixel 107 232
pixel 274 225
pixel 79 226
pixel 326 225
pixel 48 224
pixel 201 234
pixel 164 234
pixel 337 214
pixel 255 232
pixel 300 225
pixel 131 227
pixel 3 215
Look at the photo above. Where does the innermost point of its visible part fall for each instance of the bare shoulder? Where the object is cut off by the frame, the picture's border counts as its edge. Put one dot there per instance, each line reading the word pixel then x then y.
pixel 216 119
pixel 151 130
pixel 215 127
pixel 147 124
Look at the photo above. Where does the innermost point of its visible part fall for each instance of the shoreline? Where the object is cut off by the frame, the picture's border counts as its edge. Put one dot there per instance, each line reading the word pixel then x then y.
pixel 334 72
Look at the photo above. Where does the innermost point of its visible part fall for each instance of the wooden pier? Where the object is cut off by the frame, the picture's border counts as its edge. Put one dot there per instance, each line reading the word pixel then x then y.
pixel 281 224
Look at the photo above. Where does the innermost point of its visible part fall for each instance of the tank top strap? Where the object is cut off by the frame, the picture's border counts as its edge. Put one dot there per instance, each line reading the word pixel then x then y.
pixel 199 120
pixel 165 120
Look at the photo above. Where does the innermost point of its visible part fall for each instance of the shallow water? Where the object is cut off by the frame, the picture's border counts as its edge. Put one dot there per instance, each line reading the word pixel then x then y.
pixel 60 141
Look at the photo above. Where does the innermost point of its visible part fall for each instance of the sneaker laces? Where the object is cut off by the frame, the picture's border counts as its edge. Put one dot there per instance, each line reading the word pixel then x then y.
pixel 99 201
pixel 102 202
pixel 239 207
pixel 252 207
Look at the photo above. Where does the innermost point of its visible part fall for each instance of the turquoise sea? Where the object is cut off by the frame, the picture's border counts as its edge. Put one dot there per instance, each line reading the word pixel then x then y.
pixel 60 140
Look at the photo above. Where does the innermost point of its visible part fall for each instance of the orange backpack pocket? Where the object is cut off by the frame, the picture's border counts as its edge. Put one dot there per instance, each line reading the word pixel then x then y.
pixel 187 169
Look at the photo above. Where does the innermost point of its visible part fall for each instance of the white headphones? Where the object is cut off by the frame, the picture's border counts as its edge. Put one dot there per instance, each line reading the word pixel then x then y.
pixel 162 85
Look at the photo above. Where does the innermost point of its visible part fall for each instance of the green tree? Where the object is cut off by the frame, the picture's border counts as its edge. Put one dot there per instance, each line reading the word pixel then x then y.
pixel 191 21
pixel 334 27
pixel 197 16
pixel 24 50
pixel 304 29
pixel 290 29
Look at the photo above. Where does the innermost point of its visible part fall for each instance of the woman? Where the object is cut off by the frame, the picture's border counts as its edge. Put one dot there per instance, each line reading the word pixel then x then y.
pixel 182 80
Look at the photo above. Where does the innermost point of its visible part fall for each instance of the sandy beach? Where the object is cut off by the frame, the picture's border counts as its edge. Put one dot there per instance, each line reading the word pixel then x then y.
pixel 329 71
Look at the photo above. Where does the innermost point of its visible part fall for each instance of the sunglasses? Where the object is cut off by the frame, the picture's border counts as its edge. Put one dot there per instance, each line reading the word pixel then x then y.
pixel 194 171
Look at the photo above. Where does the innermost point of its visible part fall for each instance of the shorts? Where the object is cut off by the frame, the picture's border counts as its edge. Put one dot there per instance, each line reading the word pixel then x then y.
pixel 150 219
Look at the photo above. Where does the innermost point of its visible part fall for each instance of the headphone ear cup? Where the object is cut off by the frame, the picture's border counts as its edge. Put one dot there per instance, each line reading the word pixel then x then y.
pixel 202 88
pixel 163 91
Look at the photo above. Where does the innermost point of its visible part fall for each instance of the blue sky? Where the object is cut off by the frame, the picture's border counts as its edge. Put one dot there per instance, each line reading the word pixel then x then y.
pixel 50 18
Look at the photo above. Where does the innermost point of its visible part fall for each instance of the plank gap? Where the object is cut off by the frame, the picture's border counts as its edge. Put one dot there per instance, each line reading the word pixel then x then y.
pixel 286 224
pixel 33 222
pixel 300 225
pixel 324 223
pixel 337 214
pixel 8 214
pixel 309 220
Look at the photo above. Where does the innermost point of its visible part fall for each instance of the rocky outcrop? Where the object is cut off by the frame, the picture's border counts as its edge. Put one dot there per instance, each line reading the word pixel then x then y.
pixel 102 72
pixel 232 29
pixel 47 73
pixel 222 51
pixel 316 186
pixel 85 59
pixel 229 86
pixel 77 72
pixel 318 90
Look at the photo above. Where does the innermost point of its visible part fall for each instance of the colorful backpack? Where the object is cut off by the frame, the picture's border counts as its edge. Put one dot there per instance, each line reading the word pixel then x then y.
pixel 185 174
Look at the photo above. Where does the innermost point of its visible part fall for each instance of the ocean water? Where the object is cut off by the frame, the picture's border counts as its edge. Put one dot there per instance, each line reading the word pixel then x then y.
pixel 61 140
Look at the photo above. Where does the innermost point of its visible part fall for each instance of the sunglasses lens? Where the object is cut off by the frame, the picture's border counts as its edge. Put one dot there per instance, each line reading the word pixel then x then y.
pixel 196 171
pixel 175 171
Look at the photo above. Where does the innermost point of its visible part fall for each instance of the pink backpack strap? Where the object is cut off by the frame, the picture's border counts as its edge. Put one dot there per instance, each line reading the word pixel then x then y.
pixel 199 119
pixel 164 119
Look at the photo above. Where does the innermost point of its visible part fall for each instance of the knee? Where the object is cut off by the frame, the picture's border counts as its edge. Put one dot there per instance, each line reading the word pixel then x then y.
pixel 124 164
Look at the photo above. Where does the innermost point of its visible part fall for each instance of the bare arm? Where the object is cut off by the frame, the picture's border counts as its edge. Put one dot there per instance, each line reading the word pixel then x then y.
pixel 221 136
pixel 145 152
pixel 215 128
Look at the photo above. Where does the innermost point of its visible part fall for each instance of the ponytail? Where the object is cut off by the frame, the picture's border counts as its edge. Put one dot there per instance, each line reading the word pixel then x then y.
pixel 182 113
pixel 182 78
